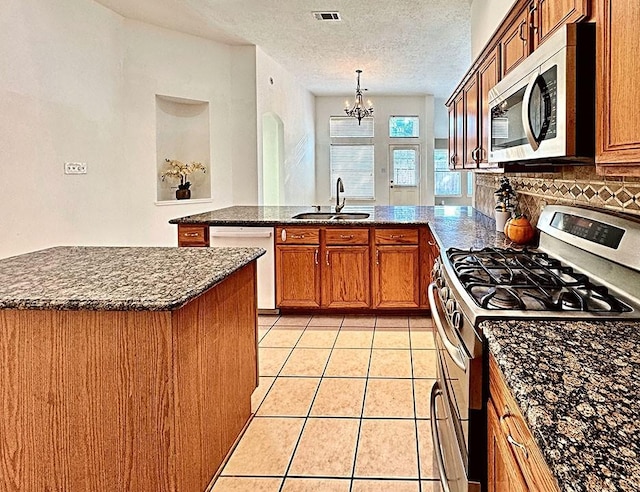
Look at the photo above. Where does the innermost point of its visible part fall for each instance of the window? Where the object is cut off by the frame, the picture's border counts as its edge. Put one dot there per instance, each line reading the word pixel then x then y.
pixel 354 164
pixel 447 183
pixel 351 157
pixel 470 178
pixel 405 164
pixel 404 127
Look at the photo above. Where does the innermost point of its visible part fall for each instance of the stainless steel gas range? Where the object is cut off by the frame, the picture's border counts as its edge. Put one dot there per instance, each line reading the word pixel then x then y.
pixel 587 266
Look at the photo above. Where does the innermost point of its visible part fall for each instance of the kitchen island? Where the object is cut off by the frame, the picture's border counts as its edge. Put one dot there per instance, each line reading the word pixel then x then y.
pixel 124 368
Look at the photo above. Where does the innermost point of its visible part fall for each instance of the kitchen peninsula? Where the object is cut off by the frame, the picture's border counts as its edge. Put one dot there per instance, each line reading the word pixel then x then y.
pixel 365 259
pixel 124 368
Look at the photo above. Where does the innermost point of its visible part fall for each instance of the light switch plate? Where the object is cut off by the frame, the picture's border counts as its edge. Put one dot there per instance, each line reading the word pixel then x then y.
pixel 75 168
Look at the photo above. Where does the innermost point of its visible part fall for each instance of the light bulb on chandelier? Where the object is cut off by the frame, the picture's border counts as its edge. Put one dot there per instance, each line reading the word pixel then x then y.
pixel 359 110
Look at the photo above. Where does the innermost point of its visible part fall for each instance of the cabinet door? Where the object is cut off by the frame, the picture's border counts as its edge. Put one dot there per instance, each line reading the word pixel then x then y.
pixel 297 276
pixel 471 94
pixel 514 45
pixel 549 15
pixel 618 88
pixel 458 161
pixel 488 76
pixel 345 277
pixel 452 135
pixel 396 277
pixel 429 251
pixel 503 470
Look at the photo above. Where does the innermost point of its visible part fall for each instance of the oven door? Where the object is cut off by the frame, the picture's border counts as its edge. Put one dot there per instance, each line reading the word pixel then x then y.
pixel 450 402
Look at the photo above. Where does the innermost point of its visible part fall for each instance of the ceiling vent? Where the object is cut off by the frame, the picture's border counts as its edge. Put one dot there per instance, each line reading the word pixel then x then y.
pixel 327 16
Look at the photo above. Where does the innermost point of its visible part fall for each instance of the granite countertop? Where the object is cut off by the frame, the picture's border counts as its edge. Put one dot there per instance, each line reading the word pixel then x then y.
pixel 118 279
pixel 461 227
pixel 578 386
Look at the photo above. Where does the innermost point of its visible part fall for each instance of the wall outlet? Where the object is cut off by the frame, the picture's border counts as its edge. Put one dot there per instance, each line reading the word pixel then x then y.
pixel 75 168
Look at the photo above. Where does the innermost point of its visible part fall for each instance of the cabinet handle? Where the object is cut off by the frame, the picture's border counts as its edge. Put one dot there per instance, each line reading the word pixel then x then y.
pixel 481 154
pixel 315 256
pixel 346 236
pixel 532 17
pixel 297 236
pixel 326 257
pixel 377 256
pixel 396 236
pixel 510 439
pixel 453 160
pixel 191 234
pixel 431 243
pixel 520 35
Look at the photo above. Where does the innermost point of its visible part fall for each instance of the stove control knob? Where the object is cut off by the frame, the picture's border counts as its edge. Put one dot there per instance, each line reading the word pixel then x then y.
pixel 451 306
pixel 439 282
pixel 444 293
pixel 456 320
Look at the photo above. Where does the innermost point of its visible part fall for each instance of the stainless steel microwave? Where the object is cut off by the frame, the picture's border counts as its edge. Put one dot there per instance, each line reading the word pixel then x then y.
pixel 543 111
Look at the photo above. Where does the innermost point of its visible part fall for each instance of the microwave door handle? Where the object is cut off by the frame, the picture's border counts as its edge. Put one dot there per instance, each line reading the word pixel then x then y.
pixel 526 102
pixel 456 354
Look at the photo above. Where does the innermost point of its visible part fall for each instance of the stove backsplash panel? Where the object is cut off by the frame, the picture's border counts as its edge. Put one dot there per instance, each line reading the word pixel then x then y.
pixel 573 185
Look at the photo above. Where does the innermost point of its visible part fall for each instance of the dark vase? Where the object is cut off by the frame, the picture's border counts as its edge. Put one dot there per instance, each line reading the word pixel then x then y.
pixel 183 194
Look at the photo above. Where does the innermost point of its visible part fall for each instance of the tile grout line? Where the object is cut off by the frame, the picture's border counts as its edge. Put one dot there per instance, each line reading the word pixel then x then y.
pixel 415 412
pixel 306 419
pixel 364 401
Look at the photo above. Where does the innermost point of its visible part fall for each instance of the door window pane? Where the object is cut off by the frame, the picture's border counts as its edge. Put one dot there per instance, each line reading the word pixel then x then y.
pixel 405 166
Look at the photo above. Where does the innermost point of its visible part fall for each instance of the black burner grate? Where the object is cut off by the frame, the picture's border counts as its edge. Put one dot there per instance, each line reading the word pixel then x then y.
pixel 528 280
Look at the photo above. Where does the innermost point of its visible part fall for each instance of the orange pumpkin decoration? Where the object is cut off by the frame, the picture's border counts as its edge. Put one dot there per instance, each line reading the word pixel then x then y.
pixel 519 229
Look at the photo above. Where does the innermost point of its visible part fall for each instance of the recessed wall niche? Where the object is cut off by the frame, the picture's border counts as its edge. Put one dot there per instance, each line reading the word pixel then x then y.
pixel 182 133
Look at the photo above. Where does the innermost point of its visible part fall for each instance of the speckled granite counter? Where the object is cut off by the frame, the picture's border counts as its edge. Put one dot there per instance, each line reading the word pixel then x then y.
pixel 461 227
pixel 97 278
pixel 578 386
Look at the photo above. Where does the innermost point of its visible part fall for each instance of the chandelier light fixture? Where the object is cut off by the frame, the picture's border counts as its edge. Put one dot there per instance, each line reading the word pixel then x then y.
pixel 359 110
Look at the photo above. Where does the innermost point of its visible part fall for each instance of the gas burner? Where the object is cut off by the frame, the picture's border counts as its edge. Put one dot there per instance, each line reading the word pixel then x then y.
pixel 527 280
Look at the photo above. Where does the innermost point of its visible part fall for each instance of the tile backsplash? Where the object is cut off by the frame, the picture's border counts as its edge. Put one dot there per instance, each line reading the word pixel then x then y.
pixel 572 185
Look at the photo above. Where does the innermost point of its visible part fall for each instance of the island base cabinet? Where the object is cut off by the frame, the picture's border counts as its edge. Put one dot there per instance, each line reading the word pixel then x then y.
pixel 126 400
pixel 346 281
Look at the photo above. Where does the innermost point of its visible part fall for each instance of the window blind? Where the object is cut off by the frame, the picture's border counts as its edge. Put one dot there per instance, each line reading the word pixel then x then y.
pixel 354 164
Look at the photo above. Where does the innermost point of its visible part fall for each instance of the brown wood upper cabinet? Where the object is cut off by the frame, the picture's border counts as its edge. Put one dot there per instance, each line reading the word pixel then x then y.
pixel 514 460
pixel 488 76
pixel 618 88
pixel 516 43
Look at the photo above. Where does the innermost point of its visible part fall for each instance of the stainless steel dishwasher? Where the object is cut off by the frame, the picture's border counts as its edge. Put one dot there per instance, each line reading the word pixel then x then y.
pixel 260 237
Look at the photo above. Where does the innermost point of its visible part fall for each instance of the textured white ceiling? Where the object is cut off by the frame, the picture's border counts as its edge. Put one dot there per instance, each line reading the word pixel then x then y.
pixel 402 46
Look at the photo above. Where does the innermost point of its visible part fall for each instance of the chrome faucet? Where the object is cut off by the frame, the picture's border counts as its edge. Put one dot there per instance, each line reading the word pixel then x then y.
pixel 339 189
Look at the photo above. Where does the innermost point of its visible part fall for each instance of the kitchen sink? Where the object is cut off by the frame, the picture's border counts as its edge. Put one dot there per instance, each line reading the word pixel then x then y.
pixel 351 216
pixel 331 216
pixel 314 216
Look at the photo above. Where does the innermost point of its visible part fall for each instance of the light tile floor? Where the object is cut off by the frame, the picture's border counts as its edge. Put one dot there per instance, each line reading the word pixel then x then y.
pixel 343 405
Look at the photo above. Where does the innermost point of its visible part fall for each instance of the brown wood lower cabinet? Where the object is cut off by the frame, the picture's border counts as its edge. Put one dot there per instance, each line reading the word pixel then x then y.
pixel 339 269
pixel 298 276
pixel 515 463
pixel 396 277
pixel 149 401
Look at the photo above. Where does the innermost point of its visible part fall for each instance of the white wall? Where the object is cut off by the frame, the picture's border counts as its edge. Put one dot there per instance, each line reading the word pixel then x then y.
pixel 79 84
pixel 295 106
pixel 486 16
pixel 384 106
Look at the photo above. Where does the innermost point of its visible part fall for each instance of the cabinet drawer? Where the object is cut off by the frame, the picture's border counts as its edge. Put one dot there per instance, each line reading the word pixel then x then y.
pixel 297 235
pixel 347 236
pixel 193 235
pixel 396 236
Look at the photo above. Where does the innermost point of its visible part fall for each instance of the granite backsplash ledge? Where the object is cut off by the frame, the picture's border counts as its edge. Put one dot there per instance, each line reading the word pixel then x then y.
pixel 572 185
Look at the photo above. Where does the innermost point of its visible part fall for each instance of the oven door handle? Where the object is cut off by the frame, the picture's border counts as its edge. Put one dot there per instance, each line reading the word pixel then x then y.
pixel 455 352
pixel 436 392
